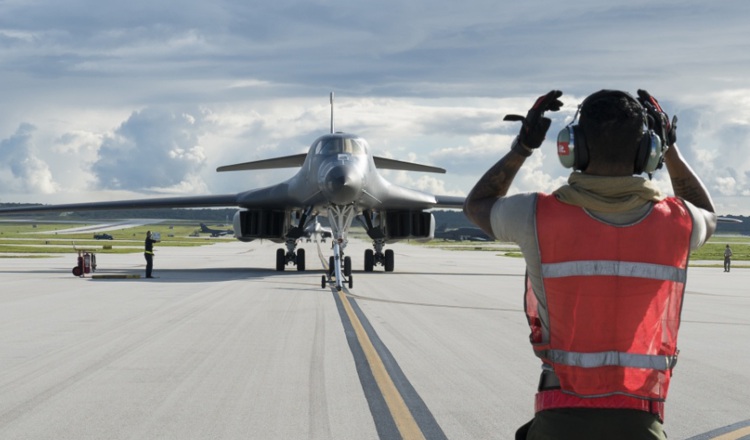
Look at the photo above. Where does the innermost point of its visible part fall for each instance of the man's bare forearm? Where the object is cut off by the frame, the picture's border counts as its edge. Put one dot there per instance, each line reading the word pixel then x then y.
pixel 492 185
pixel 685 182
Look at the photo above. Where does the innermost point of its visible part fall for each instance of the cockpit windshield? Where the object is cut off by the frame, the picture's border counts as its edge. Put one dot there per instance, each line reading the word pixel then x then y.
pixel 335 145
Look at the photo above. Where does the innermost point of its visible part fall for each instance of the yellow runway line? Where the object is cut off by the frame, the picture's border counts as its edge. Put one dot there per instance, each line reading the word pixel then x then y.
pixel 740 433
pixel 403 418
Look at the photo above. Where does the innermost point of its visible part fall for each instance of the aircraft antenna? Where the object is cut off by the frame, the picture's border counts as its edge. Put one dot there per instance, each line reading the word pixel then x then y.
pixel 331 112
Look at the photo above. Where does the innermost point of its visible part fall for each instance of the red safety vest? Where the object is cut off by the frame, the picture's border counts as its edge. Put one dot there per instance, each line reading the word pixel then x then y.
pixel 607 318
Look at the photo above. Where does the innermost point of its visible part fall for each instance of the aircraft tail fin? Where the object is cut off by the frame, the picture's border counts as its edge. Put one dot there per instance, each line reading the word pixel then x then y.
pixel 332 113
pixel 293 161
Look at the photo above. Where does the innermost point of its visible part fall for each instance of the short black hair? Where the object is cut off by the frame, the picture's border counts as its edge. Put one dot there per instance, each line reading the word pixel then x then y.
pixel 612 122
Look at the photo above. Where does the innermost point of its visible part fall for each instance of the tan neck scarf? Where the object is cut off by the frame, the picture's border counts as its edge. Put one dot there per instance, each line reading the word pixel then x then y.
pixel 607 194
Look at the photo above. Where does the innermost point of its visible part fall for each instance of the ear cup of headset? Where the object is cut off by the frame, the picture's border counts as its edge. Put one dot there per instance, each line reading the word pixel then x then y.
pixel 566 147
pixel 650 153
pixel 571 148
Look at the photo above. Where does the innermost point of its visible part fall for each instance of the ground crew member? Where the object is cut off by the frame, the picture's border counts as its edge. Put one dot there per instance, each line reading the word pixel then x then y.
pixel 727 258
pixel 149 254
pixel 604 254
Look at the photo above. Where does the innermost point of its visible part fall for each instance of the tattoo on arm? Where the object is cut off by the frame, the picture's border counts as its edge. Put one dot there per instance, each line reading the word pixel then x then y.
pixel 492 185
pixel 693 192
pixel 496 181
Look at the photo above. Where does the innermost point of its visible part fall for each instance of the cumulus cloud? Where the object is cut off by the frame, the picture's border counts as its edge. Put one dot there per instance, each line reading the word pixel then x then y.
pixel 155 150
pixel 428 79
pixel 21 170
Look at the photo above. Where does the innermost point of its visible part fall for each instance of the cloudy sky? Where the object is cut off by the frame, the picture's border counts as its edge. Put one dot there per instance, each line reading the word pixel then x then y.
pixel 146 98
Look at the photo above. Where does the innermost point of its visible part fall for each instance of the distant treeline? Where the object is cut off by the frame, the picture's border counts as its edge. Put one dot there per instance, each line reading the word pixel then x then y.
pixel 734 228
pixel 444 219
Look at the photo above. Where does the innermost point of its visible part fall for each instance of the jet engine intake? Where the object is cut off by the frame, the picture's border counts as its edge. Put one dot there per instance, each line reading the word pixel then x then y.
pixel 403 225
pixel 269 224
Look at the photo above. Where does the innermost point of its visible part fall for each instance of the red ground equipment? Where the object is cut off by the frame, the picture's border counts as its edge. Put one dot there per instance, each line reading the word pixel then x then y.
pixel 86 263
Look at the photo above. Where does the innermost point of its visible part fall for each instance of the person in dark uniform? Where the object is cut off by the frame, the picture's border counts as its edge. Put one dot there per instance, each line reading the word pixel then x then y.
pixel 149 254
pixel 727 258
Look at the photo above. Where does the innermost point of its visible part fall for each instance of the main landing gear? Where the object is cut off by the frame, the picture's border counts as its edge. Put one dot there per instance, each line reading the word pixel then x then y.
pixel 379 257
pixel 290 256
pixel 284 258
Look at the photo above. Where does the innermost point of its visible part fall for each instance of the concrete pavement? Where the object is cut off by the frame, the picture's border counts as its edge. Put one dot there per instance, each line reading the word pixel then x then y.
pixel 222 346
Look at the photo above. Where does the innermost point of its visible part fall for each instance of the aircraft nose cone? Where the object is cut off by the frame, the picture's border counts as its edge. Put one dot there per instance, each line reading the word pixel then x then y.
pixel 342 185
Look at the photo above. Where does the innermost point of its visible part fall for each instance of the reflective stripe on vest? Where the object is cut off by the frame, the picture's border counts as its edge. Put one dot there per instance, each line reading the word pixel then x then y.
pixel 607 315
pixel 614 268
pixel 605 358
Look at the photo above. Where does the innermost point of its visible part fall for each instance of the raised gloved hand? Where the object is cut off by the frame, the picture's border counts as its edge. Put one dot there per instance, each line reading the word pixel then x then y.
pixel 535 125
pixel 658 118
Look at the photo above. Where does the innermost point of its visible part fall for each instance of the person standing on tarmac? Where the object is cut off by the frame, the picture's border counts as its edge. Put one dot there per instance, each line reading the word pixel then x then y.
pixel 606 263
pixel 727 258
pixel 149 254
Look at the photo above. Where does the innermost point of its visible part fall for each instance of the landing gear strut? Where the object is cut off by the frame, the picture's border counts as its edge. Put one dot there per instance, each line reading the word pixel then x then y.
pixel 340 267
pixel 339 270
pixel 298 258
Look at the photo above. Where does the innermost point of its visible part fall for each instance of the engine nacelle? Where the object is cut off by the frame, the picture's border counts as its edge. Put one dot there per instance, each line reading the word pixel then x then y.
pixel 269 224
pixel 403 225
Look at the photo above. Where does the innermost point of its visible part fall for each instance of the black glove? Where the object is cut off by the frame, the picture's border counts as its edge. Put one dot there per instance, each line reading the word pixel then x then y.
pixel 658 121
pixel 535 125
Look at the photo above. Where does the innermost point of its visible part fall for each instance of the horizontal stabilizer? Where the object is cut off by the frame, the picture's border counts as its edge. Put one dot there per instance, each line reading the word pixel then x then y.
pixel 449 201
pixel 293 161
pixel 382 163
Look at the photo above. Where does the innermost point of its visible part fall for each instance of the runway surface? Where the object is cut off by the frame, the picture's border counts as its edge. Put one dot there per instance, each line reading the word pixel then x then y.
pixel 221 346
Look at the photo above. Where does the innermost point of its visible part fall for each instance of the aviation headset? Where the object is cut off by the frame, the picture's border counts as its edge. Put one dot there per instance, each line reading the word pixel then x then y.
pixel 573 151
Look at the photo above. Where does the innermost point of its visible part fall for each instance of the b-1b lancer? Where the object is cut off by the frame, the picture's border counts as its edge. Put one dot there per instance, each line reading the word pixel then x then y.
pixel 215 232
pixel 338 178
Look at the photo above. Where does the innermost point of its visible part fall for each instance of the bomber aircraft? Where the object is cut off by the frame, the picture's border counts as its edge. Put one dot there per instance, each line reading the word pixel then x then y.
pixel 215 232
pixel 338 178
pixel 461 234
pixel 315 231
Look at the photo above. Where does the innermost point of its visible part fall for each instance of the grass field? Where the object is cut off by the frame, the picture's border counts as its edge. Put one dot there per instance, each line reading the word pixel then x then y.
pixel 27 239
pixel 711 252
pixel 40 239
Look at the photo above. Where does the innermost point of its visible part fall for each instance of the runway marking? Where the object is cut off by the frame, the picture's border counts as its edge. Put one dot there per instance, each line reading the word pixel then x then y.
pixel 737 431
pixel 397 409
pixel 405 423
pixel 742 433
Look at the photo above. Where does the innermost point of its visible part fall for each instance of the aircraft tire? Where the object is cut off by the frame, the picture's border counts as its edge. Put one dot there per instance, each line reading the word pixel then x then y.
pixel 369 260
pixel 389 260
pixel 351 282
pixel 323 282
pixel 331 269
pixel 347 266
pixel 280 260
pixel 300 260
pixel 77 271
